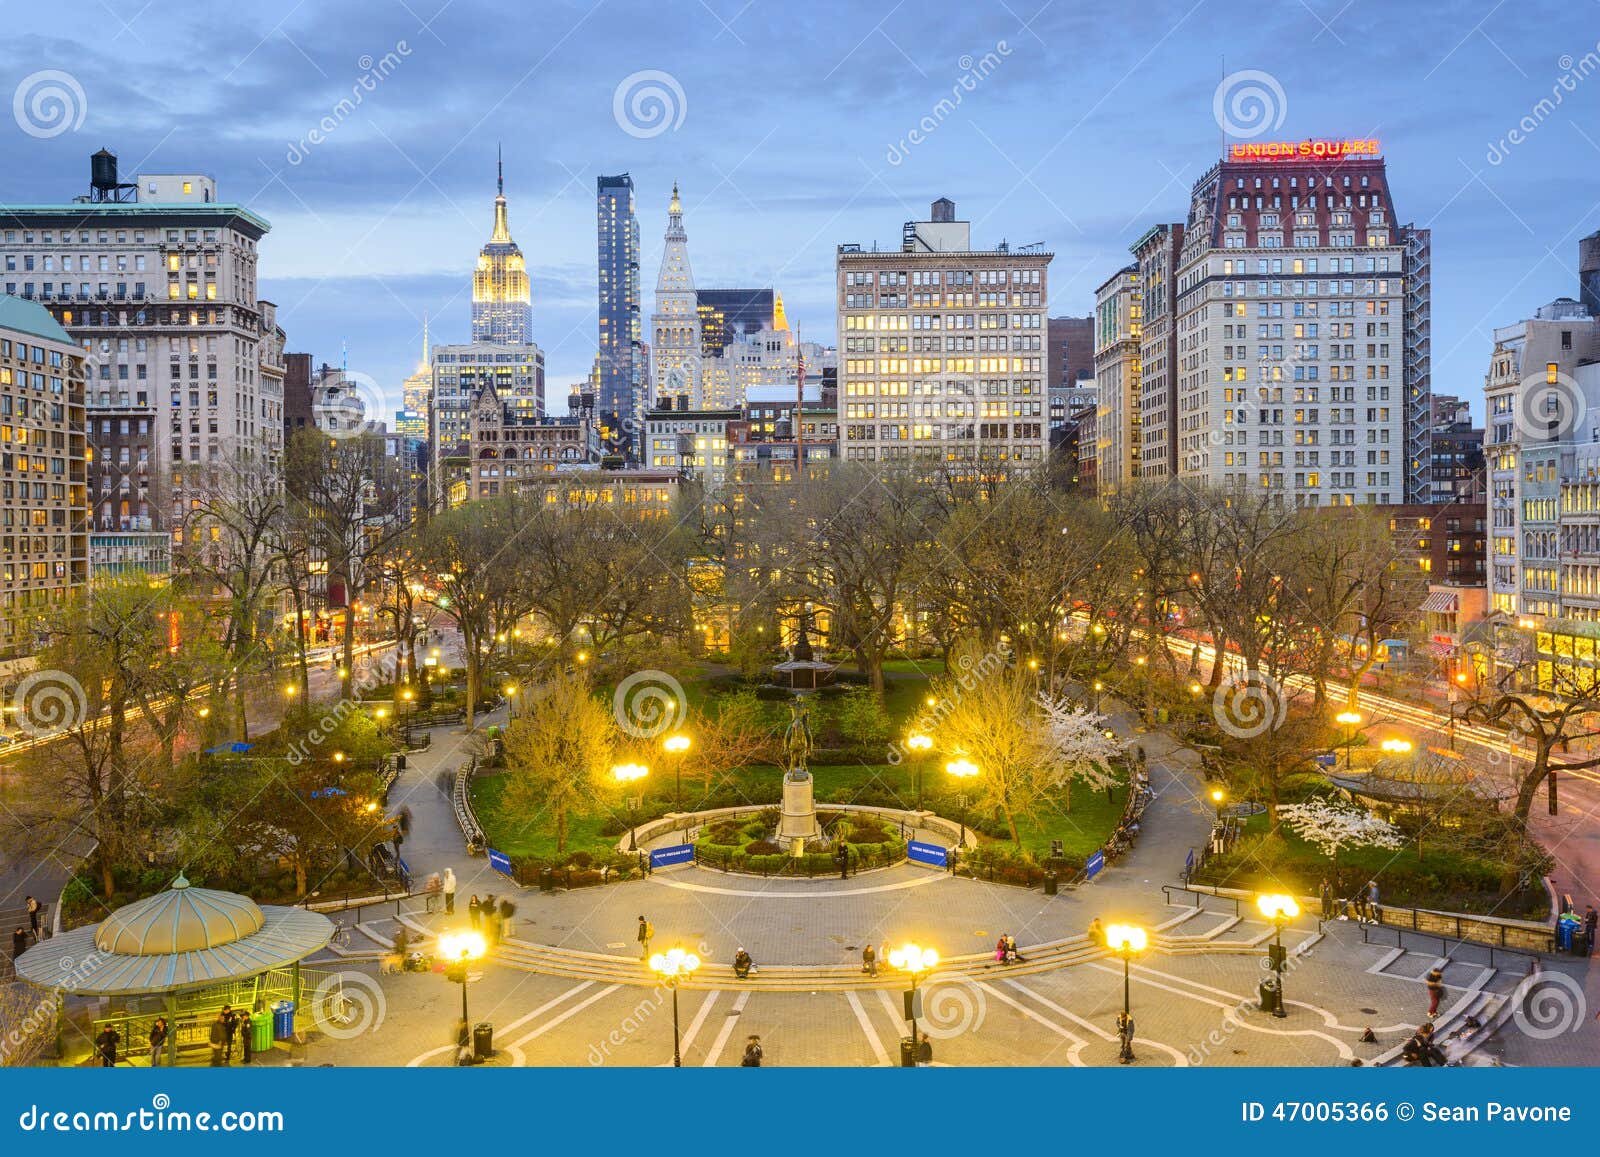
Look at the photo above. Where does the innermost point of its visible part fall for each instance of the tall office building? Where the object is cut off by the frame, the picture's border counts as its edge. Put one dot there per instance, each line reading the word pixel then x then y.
pixel 1117 306
pixel 942 350
pixel 156 280
pixel 1300 328
pixel 619 405
pixel 44 539
pixel 1156 254
pixel 726 314
pixel 502 303
pixel 675 350
pixel 515 371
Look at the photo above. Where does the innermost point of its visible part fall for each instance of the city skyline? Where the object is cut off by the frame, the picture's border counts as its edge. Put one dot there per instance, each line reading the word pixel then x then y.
pixel 378 213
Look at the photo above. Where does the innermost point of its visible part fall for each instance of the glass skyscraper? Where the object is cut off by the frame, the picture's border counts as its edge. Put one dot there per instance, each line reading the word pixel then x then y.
pixel 618 404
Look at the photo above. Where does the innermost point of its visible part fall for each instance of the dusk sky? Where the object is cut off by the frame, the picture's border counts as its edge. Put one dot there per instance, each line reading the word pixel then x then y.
pixel 789 128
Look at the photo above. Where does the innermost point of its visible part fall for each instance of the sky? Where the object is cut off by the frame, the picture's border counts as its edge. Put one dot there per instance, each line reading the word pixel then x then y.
pixel 794 127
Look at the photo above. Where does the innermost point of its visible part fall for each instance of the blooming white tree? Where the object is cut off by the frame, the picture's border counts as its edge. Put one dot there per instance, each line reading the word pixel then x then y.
pixel 1332 827
pixel 1081 746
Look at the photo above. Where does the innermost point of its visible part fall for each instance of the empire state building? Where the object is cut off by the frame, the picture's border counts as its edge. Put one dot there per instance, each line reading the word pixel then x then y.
pixel 502 304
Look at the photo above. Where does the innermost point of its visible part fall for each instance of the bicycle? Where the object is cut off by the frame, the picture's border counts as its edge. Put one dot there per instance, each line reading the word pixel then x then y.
pixel 341 935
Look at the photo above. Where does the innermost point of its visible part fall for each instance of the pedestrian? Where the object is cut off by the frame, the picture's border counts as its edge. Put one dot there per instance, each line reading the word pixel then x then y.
pixel 158 1041
pixel 1097 932
pixel 402 942
pixel 752 1053
pixel 34 912
pixel 1435 990
pixel 646 931
pixel 474 910
pixel 1372 901
pixel 245 1043
pixel 218 1039
pixel 230 1028
pixel 1589 921
pixel 842 856
pixel 869 960
pixel 1000 950
pixel 19 943
pixel 743 964
pixel 1421 1052
pixel 449 892
pixel 106 1045
pixel 1327 899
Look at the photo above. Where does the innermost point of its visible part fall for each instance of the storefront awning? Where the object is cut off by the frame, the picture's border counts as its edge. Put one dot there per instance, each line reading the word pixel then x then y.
pixel 1442 602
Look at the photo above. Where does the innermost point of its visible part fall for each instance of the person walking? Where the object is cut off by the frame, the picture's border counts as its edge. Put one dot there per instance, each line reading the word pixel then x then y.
pixel 218 1039
pixel 19 943
pixel 1435 990
pixel 474 910
pixel 1372 901
pixel 449 887
pixel 158 1041
pixel 869 960
pixel 646 931
pixel 1589 922
pixel 106 1045
pixel 490 913
pixel 752 1053
pixel 34 912
pixel 1326 893
pixel 842 858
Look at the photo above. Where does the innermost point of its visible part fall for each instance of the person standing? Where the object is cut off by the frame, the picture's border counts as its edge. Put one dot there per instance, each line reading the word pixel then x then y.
pixel 1589 926
pixel 646 931
pixel 230 1027
pixel 752 1053
pixel 1372 901
pixel 246 1045
pixel 34 912
pixel 218 1039
pixel 869 960
pixel 474 910
pixel 449 892
pixel 1435 990
pixel 1326 893
pixel 158 1041
pixel 106 1045
pixel 19 943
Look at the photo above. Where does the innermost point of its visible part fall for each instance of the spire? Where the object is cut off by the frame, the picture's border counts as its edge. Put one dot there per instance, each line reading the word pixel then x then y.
pixel 424 341
pixel 675 207
pixel 499 170
pixel 502 228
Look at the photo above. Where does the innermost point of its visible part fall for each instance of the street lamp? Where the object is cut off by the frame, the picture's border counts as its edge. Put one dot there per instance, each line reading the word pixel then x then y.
pixel 626 773
pixel 915 961
pixel 1351 721
pixel 962 769
pixel 1098 687
pixel 1396 746
pixel 1280 909
pixel 1219 796
pixel 673 967
pixel 1140 662
pixel 1127 941
pixel 919 745
pixel 677 745
pixel 458 950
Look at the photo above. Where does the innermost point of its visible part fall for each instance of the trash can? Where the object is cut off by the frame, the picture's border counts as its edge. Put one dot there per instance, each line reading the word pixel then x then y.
pixel 261 1031
pixel 482 1041
pixel 1050 883
pixel 547 880
pixel 1161 715
pixel 908 1053
pixel 1269 994
pixel 283 1020
pixel 1564 934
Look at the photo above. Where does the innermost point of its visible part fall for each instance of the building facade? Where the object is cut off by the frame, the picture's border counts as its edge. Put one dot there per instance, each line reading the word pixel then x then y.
pixel 502 300
pixel 619 402
pixel 1117 308
pixel 44 511
pixel 1156 254
pixel 675 345
pixel 509 449
pixel 460 373
pixel 690 440
pixel 942 351
pixel 1302 348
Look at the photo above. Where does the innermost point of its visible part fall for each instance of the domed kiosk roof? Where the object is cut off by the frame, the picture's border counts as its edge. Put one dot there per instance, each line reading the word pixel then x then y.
pixel 183 938
pixel 181 919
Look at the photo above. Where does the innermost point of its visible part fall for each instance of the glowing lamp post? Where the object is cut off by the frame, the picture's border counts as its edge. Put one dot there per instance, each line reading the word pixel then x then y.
pixel 624 774
pixel 1219 796
pixel 674 967
pixel 677 746
pixel 1127 941
pixel 1280 909
pixel 962 770
pixel 919 745
pixel 459 949
pixel 1350 720
pixel 915 962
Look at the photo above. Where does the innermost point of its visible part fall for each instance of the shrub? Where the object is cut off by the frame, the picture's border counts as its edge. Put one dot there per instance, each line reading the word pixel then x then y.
pixel 762 848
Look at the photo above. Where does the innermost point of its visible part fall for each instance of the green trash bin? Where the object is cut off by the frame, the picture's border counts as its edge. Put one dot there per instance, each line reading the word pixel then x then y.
pixel 1161 715
pixel 261 1032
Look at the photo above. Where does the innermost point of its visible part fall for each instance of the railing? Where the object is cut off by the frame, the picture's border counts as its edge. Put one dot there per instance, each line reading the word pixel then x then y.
pixel 1447 946
pixel 461 799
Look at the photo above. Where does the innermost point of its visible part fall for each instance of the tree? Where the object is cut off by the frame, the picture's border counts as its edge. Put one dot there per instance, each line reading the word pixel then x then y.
pixel 1332 827
pixel 559 756
pixel 1550 721
pixel 1081 745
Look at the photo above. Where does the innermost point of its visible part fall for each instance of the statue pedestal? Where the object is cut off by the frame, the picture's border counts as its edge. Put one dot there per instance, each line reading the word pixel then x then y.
pixel 798 822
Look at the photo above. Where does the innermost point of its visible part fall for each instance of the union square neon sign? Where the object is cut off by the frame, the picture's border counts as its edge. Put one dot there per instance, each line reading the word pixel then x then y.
pixel 1308 150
